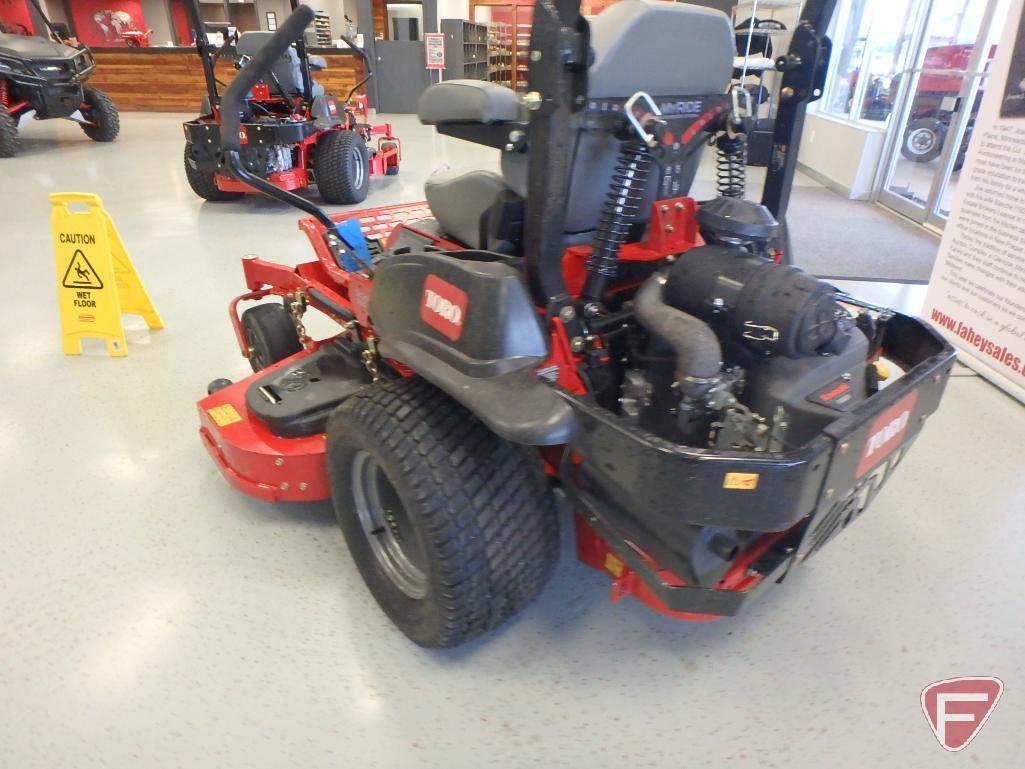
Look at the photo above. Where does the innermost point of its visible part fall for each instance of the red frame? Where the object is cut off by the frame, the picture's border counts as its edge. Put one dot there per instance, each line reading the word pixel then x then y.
pixel 270 468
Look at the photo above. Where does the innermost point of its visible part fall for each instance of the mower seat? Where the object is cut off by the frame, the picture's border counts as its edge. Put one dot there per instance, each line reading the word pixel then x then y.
pixel 287 70
pixel 665 49
pixel 462 200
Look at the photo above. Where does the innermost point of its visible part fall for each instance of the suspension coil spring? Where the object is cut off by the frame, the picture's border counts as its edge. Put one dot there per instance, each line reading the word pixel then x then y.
pixel 619 211
pixel 730 165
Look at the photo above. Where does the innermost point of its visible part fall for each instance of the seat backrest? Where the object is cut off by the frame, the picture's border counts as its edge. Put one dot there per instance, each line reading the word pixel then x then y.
pixel 286 69
pixel 662 48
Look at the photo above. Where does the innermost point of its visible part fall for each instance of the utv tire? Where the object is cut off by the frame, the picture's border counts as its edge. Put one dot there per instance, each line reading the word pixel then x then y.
pixel 923 140
pixel 452 528
pixel 271 334
pixel 204 184
pixel 9 141
pixel 103 113
pixel 342 167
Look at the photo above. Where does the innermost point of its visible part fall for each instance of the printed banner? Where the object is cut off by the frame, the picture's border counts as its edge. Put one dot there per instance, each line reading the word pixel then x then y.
pixel 976 295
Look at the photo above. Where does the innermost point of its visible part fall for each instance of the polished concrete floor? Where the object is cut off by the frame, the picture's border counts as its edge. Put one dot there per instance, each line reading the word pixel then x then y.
pixel 150 616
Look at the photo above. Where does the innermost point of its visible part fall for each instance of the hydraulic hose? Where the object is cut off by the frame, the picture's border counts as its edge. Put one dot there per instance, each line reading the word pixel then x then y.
pixel 697 349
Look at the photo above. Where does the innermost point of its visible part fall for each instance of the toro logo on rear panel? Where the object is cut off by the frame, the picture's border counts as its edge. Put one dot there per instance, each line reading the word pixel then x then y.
pixel 886 433
pixel 956 708
pixel 443 306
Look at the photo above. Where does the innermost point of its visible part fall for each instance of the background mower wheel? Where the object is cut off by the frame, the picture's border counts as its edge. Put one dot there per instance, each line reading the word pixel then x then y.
pixel 923 140
pixel 390 170
pixel 271 334
pixel 9 141
pixel 101 111
pixel 453 528
pixel 203 182
pixel 342 167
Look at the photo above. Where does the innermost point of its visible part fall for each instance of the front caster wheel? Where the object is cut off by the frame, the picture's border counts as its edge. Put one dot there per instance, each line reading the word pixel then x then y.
pixel 452 528
pixel 271 334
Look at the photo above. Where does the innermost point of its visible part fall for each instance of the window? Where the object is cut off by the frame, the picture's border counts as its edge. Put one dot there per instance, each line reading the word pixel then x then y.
pixel 872 42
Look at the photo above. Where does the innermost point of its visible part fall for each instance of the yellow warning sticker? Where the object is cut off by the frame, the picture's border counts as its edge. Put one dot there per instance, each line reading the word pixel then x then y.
pixel 613 565
pixel 224 415
pixel 742 481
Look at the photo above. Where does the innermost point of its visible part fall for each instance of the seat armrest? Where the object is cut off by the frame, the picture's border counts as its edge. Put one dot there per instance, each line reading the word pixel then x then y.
pixel 468 101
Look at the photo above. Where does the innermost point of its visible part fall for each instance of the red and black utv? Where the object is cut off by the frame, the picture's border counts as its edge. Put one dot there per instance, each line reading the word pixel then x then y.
pixel 575 326
pixel 43 78
pixel 292 133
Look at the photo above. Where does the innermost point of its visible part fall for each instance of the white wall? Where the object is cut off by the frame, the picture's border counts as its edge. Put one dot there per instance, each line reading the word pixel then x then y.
pixel 841 155
pixel 157 19
pixel 453 9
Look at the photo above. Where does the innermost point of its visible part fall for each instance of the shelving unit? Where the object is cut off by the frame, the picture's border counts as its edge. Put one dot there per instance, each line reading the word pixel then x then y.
pixel 760 70
pixel 322 26
pixel 466 50
pixel 500 54
pixel 509 36
pixel 522 52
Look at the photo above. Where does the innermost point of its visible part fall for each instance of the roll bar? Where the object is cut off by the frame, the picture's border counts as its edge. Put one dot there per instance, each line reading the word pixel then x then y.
pixel 366 64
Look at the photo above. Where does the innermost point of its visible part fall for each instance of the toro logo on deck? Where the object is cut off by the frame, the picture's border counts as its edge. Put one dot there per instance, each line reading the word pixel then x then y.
pixel 886 433
pixel 956 708
pixel 443 306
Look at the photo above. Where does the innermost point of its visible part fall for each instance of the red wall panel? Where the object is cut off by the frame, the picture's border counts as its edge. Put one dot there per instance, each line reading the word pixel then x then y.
pixel 15 12
pixel 182 25
pixel 98 22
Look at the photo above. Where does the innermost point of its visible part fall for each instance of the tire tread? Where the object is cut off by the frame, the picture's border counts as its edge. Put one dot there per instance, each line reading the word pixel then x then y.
pixel 485 501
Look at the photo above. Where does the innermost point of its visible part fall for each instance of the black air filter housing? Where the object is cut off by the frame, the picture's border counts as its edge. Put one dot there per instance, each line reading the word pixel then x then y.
pixel 770 308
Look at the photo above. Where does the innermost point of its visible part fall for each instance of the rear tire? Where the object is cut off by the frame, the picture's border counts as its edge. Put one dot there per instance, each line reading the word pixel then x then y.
pixel 271 334
pixel 452 528
pixel 342 167
pixel 9 141
pixel 103 113
pixel 204 184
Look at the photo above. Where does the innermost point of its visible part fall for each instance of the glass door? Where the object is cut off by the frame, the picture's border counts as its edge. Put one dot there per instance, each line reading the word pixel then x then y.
pixel 939 98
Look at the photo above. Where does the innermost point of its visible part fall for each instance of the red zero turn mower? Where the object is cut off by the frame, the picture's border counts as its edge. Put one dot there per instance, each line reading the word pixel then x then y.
pixel 289 131
pixel 576 326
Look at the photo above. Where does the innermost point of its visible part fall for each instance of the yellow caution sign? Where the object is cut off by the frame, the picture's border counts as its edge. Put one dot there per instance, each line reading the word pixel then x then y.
pixel 97 281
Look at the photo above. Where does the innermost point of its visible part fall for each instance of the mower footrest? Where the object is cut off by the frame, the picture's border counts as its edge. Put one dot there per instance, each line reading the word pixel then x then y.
pixel 295 400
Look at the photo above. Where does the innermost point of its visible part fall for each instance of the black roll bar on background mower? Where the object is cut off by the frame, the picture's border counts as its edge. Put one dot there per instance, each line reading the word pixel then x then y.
pixel 203 47
pixel 231 113
pixel 366 63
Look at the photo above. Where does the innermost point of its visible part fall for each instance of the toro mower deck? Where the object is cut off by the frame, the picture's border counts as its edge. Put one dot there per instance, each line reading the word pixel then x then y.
pixel 292 134
pixel 575 325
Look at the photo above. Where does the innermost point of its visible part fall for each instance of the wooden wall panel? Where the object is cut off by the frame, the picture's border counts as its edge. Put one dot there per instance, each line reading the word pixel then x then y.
pixel 172 81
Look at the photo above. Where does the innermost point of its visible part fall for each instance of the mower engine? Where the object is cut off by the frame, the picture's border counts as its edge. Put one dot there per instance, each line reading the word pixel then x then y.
pixel 267 159
pixel 740 353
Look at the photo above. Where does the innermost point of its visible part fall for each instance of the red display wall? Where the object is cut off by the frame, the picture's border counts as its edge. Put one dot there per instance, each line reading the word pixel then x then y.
pixel 100 22
pixel 14 13
pixel 182 27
